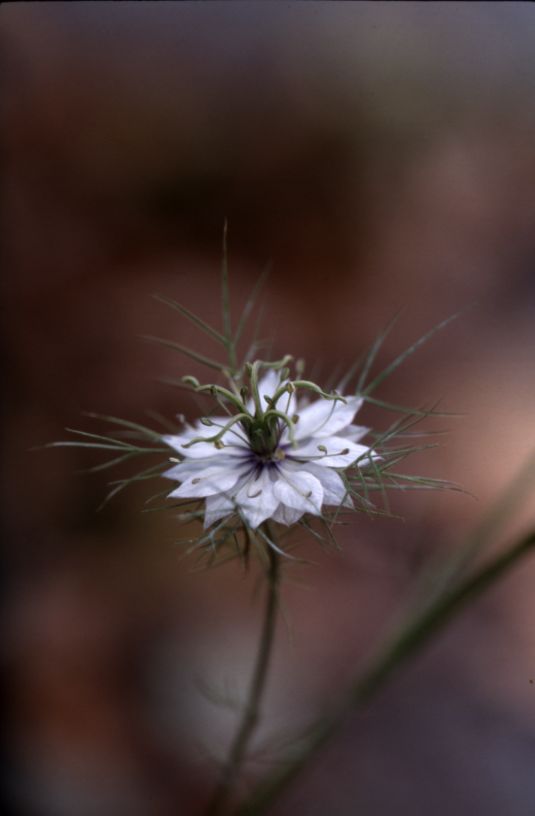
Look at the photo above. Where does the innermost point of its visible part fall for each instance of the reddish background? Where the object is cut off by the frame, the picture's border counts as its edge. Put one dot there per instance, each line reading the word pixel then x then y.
pixel 378 155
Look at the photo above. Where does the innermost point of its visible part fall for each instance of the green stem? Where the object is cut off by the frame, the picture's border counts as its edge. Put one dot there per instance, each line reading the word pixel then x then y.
pixel 251 712
pixel 225 294
pixel 402 645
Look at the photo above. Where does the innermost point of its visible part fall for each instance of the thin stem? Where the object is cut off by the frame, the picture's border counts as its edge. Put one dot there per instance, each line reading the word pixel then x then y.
pixel 405 643
pixel 251 712
pixel 230 342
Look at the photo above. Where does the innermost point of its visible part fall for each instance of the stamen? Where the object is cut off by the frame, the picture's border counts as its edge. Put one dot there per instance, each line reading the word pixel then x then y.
pixel 217 438
pixel 317 390
pixel 324 453
pixel 219 390
pixel 279 363
pixel 288 422
pixel 285 388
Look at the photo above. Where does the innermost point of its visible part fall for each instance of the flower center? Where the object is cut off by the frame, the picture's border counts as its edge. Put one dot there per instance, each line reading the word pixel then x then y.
pixel 264 436
pixel 271 458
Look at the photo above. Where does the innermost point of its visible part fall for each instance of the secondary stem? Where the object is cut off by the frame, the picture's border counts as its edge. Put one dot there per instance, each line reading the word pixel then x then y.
pixel 409 640
pixel 251 712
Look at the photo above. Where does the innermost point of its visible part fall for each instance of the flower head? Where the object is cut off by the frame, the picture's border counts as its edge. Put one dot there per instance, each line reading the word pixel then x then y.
pixel 276 458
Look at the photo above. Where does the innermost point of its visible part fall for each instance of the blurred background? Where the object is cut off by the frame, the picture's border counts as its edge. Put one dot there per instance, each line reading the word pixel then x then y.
pixel 378 156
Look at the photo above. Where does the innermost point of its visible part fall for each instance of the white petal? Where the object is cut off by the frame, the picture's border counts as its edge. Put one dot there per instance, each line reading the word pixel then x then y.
pixel 207 482
pixel 287 404
pixel 353 432
pixel 193 467
pixel 176 441
pixel 267 385
pixel 335 452
pixel 334 489
pixel 287 515
pixel 182 470
pixel 325 417
pixel 298 489
pixel 205 450
pixel 217 507
pixel 235 435
pixel 256 499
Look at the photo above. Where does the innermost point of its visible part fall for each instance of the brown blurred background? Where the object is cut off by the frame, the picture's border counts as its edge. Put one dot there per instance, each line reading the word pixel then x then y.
pixel 379 156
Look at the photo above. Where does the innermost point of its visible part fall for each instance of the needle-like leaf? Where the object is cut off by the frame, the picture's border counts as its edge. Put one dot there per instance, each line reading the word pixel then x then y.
pixel 193 318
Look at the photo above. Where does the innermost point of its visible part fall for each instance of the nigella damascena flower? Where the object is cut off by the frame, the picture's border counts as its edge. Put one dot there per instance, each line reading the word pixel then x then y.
pixel 278 458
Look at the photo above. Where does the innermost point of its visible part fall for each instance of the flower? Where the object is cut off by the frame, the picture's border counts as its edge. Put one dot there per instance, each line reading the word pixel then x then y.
pixel 277 459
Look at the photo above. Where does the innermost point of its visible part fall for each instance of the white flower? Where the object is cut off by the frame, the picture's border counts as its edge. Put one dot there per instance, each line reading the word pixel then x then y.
pixel 279 465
